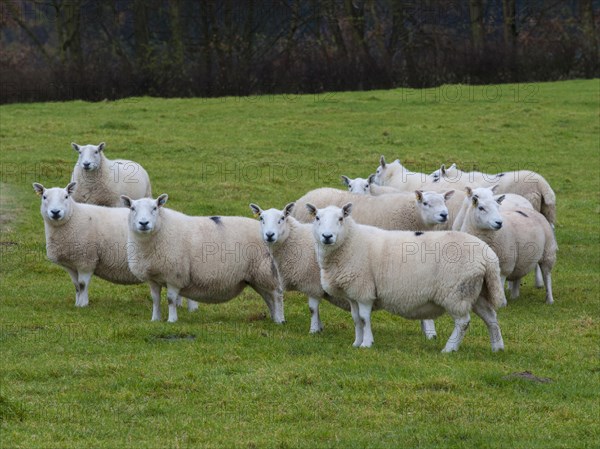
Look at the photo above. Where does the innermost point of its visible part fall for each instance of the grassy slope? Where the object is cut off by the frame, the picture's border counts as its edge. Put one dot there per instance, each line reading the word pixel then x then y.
pixel 103 377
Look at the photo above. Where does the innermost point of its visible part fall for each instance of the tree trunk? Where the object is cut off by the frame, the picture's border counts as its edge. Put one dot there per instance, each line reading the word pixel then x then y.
pixel 476 14
pixel 591 46
pixel 140 32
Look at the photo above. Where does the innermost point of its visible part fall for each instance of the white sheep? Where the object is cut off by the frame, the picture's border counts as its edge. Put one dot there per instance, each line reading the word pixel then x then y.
pixel 522 239
pixel 208 259
pixel 395 175
pixel 293 249
pixel 530 185
pixel 367 186
pixel 413 274
pixel 102 181
pixel 418 211
pixel 85 239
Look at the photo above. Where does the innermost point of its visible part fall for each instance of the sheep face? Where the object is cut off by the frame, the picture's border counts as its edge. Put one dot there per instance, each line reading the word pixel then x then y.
pixel 329 223
pixel 485 212
pixel 273 223
pixel 57 203
pixel 432 206
pixel 90 156
pixel 144 214
pixel 443 172
pixel 385 171
pixel 357 185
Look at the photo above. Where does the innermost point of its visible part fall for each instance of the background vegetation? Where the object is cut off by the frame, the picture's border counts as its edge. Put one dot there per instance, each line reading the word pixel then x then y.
pixel 226 376
pixel 85 49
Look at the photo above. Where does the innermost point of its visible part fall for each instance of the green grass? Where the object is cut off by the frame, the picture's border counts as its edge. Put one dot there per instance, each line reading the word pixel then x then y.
pixel 106 376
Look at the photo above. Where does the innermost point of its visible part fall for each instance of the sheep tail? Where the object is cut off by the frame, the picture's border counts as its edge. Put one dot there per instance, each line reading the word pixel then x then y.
pixel 493 282
pixel 548 207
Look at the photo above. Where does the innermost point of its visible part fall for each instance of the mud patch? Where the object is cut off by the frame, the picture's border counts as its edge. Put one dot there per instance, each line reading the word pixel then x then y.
pixel 172 337
pixel 528 375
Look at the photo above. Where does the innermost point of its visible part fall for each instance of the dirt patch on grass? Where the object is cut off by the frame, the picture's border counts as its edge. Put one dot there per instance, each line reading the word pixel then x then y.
pixel 528 375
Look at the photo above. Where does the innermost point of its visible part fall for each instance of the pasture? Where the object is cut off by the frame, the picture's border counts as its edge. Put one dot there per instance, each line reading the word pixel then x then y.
pixel 226 375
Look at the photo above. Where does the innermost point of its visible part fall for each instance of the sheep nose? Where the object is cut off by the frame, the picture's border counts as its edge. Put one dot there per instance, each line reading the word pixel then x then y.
pixel 327 237
pixel 269 236
pixel 86 165
pixel 55 212
pixel 143 224
pixel 498 224
pixel 444 216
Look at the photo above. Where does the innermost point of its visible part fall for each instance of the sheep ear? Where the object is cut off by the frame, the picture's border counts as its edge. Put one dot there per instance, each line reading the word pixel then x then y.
pixel 101 146
pixel 475 200
pixel 371 178
pixel 39 189
pixel 443 169
pixel 449 194
pixel 469 191
pixel 346 180
pixel 162 200
pixel 126 201
pixel 287 210
pixel 419 195
pixel 347 209
pixel 256 210
pixel 75 146
pixel 452 166
pixel 312 210
pixel 382 161
pixel 500 199
pixel 493 188
pixel 70 187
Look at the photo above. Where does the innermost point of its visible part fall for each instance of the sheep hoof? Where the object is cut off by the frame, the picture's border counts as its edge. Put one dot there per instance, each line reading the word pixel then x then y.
pixel 431 336
pixel 356 344
pixel 316 331
pixel 366 345
pixel 497 348
pixel 549 301
pixel 449 349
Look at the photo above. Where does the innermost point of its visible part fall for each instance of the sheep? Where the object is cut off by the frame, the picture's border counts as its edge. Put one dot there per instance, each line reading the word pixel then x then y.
pixel 418 211
pixel 292 247
pixel 510 201
pixel 367 186
pixel 522 239
pixel 395 175
pixel 413 274
pixel 84 239
pixel 530 185
pixel 101 181
pixel 208 259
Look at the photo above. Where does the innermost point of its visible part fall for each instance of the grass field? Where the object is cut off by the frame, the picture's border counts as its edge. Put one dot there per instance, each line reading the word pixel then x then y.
pixel 106 377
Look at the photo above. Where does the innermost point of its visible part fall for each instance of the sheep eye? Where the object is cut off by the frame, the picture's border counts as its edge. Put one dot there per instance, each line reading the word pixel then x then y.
pixel 132 208
pixel 425 203
pixel 481 208
pixel 340 219
pixel 154 208
pixel 95 152
pixel 66 196
pixel 44 197
pixel 317 218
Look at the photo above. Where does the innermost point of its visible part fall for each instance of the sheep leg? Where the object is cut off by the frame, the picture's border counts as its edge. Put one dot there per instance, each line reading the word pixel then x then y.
pixel 84 283
pixel 75 281
pixel 461 324
pixel 274 300
pixel 547 273
pixel 155 293
pixel 428 328
pixel 486 312
pixel 172 295
pixel 179 301
pixel 315 319
pixel 539 277
pixel 192 305
pixel 515 288
pixel 364 311
pixel 358 329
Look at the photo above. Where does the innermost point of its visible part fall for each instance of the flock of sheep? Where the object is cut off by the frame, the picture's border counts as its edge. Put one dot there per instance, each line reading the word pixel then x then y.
pixel 413 244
